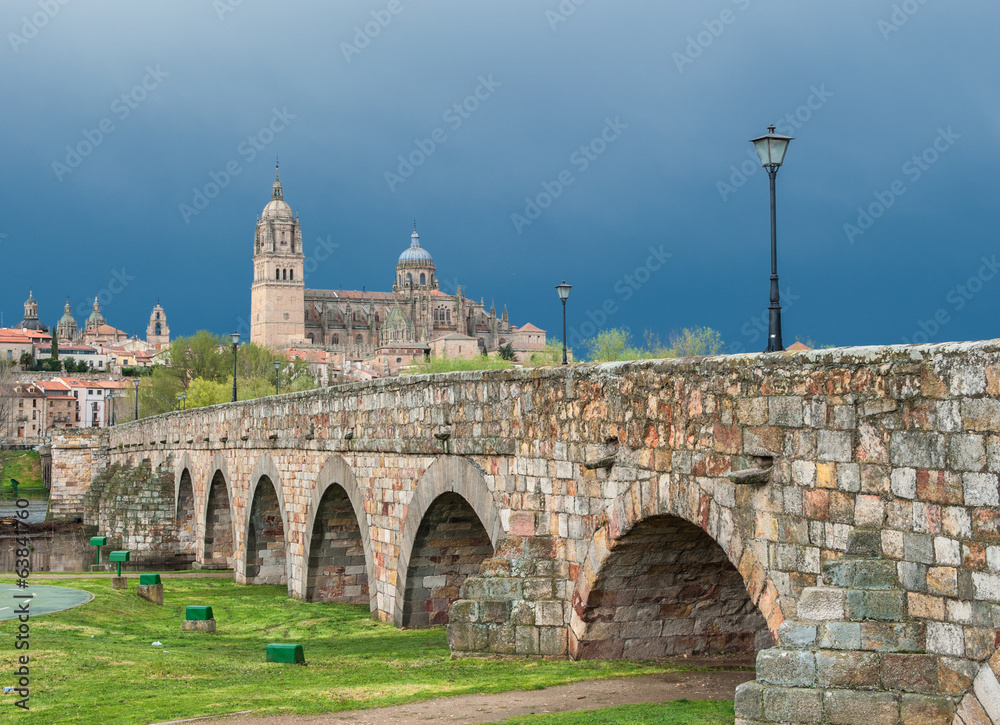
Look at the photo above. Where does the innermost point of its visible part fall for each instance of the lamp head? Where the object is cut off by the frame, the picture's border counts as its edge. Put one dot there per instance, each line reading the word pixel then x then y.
pixel 563 290
pixel 235 337
pixel 771 148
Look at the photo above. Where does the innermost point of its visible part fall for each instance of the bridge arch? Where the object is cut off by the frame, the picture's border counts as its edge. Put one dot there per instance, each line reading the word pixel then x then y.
pixel 655 583
pixel 218 541
pixel 265 523
pixel 186 513
pixel 336 485
pixel 446 486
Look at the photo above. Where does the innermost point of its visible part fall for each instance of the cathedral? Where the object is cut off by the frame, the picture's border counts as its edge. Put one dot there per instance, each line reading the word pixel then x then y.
pixel 386 329
pixel 96 330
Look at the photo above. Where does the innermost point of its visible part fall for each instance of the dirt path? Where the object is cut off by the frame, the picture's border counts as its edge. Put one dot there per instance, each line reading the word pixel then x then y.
pixel 474 709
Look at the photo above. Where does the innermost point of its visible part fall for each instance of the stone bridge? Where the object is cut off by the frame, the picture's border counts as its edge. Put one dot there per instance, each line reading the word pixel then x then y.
pixel 834 513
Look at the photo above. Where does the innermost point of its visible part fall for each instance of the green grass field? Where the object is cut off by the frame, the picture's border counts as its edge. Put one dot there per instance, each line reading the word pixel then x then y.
pixel 95 665
pixel 680 712
pixel 25 468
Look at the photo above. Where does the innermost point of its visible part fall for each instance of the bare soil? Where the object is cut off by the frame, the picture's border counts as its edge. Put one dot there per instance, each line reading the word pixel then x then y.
pixel 474 709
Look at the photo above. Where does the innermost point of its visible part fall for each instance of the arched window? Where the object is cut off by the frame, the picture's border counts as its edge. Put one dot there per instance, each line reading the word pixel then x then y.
pixel 277 274
pixel 284 274
pixel 358 339
pixel 291 275
pixel 157 328
pixel 409 279
pixel 423 278
pixel 310 336
pixel 448 315
pixel 336 339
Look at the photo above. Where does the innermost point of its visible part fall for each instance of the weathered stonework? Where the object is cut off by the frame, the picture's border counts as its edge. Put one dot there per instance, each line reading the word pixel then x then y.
pixel 852 494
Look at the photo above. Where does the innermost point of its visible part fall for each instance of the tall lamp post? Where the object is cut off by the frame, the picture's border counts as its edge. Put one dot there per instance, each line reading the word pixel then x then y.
pixel 235 337
pixel 771 149
pixel 136 383
pixel 563 290
pixel 112 396
pixel 277 367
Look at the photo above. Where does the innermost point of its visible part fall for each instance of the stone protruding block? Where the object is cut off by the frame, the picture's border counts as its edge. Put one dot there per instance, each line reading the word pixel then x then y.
pixel 289 654
pixel 119 582
pixel 787 668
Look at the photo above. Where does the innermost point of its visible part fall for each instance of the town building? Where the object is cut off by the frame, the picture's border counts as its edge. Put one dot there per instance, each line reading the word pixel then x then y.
pixel 387 330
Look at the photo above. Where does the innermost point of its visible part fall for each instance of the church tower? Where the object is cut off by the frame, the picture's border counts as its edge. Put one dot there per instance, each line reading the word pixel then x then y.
pixel 277 297
pixel 157 331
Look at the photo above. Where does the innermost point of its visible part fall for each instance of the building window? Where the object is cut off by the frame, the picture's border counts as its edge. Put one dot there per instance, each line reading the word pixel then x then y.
pixel 423 278
pixel 448 314
pixel 358 339
pixel 277 274
pixel 336 340
pixel 409 279
pixel 291 275
pixel 284 274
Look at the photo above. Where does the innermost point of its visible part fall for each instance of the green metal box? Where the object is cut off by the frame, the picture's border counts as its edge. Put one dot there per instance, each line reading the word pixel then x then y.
pixel 198 612
pixel 149 579
pixel 119 556
pixel 290 654
pixel 98 540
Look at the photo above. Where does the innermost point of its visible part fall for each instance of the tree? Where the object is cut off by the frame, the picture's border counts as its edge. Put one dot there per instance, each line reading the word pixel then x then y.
pixel 696 342
pixel 608 345
pixel 55 348
pixel 615 345
pixel 27 359
pixel 551 355
pixel 506 352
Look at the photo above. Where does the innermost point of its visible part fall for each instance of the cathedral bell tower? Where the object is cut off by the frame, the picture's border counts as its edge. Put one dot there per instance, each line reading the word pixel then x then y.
pixel 277 297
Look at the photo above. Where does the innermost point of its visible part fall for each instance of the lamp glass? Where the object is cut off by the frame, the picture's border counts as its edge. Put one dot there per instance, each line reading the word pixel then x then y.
pixel 563 290
pixel 771 149
pixel 277 365
pixel 235 337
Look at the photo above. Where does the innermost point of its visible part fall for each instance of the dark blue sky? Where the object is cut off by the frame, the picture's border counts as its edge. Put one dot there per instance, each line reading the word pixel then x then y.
pixel 675 88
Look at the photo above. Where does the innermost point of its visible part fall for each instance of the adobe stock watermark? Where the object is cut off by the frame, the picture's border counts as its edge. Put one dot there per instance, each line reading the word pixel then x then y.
pixel 755 328
pixel 30 26
pixel 454 116
pixel 366 33
pixel 224 7
pixel 900 16
pixel 116 284
pixel 624 289
pixel 248 149
pixel 563 12
pixel 955 300
pixel 787 125
pixel 703 40
pixel 324 251
pixel 121 108
pixel 581 159
pixel 913 170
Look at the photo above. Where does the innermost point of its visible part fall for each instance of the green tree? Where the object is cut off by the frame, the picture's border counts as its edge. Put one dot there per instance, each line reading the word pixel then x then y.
pixel 26 359
pixel 696 342
pixel 608 345
pixel 54 351
pixel 506 352
pixel 203 392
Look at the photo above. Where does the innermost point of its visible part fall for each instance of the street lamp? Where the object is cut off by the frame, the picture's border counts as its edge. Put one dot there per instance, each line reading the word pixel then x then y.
pixel 235 337
pixel 112 396
pixel 277 367
pixel 563 290
pixel 178 402
pixel 184 401
pixel 136 383
pixel 771 149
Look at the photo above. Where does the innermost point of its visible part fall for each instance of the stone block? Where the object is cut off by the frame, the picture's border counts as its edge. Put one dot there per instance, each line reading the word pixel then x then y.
pixel 119 582
pixel 980 489
pixel 854 707
pixel 468 637
pixel 862 573
pixel 151 593
pixel 749 701
pixel 945 639
pixel 840 635
pixel 552 641
pixel 917 450
pixel 796 705
pixel 786 668
pixel 847 669
pixel 971 712
pixel 893 637
pixel 791 634
pixel 888 606
pixel 923 710
pixel 821 604
pixel 987 689
pixel 198 625
pixel 910 672
pixel 464 610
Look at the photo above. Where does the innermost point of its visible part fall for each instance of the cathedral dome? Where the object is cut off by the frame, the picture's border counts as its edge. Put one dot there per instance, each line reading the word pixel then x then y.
pixel 415 255
pixel 30 321
pixel 277 208
pixel 96 319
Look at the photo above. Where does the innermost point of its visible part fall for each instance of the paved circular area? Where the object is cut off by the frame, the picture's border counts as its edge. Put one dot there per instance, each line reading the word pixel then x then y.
pixel 46 600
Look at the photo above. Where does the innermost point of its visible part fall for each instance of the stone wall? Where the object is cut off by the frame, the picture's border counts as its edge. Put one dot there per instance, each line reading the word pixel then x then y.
pixel 790 463
pixel 82 455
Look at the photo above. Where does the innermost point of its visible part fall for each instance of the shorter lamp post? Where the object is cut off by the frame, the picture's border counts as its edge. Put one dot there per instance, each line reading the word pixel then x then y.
pixel 563 290
pixel 235 337
pixel 178 402
pixel 111 396
pixel 184 401
pixel 136 383
pixel 771 149
pixel 277 367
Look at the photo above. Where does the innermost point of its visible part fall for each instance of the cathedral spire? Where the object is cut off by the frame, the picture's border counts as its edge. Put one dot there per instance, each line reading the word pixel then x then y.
pixel 276 193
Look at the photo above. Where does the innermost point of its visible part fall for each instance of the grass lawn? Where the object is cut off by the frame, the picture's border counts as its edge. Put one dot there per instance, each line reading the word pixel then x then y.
pixel 681 712
pixel 23 466
pixel 95 664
